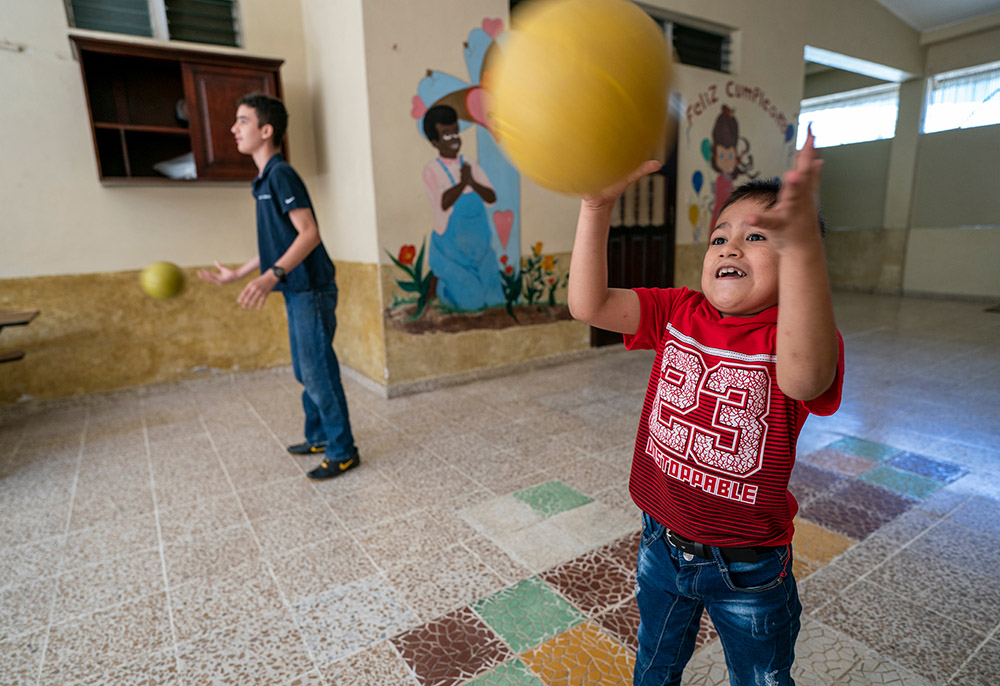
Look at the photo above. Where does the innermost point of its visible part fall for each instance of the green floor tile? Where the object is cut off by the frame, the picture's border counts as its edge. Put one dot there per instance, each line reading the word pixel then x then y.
pixel 527 614
pixel 899 481
pixel 513 673
pixel 552 497
pixel 867 449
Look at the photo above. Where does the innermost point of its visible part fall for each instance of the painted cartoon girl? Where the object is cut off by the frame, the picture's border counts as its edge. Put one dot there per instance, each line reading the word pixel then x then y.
pixel 729 163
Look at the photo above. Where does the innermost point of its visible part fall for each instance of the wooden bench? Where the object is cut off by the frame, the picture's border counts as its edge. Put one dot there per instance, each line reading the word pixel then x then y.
pixel 14 318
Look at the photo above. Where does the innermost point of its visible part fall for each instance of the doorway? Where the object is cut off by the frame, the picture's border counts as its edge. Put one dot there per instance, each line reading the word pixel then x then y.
pixel 642 239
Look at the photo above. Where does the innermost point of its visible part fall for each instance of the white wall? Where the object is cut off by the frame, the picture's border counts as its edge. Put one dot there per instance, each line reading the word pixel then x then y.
pixel 338 101
pixel 58 219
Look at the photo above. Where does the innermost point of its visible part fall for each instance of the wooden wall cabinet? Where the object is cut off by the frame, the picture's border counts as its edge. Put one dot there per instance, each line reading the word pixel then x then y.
pixel 149 104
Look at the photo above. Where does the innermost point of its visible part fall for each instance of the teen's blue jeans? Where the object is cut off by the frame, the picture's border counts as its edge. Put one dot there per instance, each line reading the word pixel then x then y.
pixel 753 607
pixel 311 324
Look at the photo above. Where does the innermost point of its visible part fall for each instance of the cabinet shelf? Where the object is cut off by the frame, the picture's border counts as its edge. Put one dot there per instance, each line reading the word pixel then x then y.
pixel 173 130
pixel 148 104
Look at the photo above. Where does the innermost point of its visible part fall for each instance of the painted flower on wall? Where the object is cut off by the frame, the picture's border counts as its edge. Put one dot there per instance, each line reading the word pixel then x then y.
pixel 415 282
pixel 406 255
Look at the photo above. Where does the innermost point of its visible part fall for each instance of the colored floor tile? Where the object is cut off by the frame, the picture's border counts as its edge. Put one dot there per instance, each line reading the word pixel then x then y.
pixel 622 622
pixel 582 657
pixel 926 466
pixel 848 520
pixel 451 649
pixel 903 482
pixel 809 481
pixel 592 582
pixel 624 551
pixel 817 544
pixel 552 497
pixel 839 461
pixel 873 498
pixel 513 673
pixel 876 452
pixel 527 614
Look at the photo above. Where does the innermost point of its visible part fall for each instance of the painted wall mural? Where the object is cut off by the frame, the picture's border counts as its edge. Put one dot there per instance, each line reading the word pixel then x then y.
pixel 727 155
pixel 469 271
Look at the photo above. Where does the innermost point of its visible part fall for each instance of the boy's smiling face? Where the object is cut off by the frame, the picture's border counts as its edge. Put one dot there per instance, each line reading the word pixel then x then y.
pixel 739 276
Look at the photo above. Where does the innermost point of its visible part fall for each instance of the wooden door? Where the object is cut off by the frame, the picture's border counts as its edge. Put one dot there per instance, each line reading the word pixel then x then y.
pixel 213 91
pixel 641 243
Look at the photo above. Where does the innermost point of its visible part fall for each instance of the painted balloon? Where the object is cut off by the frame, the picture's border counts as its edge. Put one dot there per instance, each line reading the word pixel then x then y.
pixel 706 150
pixel 696 181
pixel 693 215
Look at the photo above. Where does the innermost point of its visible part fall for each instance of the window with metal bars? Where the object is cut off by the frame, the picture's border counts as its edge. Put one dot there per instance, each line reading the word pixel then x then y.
pixel 198 21
pixel 865 114
pixel 963 99
pixel 697 47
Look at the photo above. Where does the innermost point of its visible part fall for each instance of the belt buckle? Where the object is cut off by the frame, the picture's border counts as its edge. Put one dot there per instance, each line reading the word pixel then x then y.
pixel 681 544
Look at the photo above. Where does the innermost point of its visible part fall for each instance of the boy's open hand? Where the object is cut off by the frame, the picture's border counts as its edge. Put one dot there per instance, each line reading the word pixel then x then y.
pixel 795 216
pixel 608 196
pixel 224 275
pixel 254 294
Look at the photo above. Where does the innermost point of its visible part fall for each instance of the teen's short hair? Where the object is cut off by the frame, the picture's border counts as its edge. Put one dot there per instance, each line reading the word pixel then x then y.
pixel 439 114
pixel 269 111
pixel 764 191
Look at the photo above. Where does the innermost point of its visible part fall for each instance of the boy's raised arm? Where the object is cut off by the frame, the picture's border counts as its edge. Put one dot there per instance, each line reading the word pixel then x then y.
pixel 590 299
pixel 807 346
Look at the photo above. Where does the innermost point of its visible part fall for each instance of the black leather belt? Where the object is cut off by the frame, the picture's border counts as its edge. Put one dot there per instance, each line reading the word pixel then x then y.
pixel 705 551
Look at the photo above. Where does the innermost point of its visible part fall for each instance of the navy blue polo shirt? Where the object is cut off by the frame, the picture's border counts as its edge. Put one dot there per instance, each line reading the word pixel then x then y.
pixel 279 190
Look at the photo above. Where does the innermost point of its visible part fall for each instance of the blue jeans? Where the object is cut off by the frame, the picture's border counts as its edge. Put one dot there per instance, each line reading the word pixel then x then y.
pixel 754 609
pixel 311 324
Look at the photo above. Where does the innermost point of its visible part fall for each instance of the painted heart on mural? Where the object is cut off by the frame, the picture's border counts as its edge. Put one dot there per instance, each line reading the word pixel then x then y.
pixel 419 107
pixel 492 27
pixel 504 221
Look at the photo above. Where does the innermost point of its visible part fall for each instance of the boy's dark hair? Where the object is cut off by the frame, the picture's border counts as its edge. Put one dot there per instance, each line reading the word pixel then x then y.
pixel 269 111
pixel 765 191
pixel 439 114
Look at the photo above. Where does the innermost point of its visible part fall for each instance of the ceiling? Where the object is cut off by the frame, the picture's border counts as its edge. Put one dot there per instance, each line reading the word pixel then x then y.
pixel 927 15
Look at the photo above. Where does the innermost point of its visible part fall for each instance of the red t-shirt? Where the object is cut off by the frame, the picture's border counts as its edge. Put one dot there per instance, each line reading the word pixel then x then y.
pixel 716 442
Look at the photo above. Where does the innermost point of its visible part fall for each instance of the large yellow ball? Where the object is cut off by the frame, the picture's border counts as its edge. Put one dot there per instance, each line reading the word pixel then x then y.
pixel 579 92
pixel 162 280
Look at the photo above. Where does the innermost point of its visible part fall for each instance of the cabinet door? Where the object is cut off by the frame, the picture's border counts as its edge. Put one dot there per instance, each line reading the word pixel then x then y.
pixel 212 92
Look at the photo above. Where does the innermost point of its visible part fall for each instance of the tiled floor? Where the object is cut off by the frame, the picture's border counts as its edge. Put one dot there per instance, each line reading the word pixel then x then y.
pixel 162 535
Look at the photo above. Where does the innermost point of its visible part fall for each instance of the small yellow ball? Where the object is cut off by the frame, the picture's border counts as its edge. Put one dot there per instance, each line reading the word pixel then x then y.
pixel 580 91
pixel 162 280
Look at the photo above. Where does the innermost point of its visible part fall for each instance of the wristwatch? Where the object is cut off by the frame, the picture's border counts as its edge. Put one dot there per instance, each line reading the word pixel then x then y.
pixel 280 273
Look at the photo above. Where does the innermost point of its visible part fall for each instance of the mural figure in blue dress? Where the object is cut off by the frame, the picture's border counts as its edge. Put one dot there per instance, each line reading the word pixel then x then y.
pixel 461 254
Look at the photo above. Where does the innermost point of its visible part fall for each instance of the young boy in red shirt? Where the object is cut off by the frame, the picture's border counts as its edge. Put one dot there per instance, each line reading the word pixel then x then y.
pixel 734 379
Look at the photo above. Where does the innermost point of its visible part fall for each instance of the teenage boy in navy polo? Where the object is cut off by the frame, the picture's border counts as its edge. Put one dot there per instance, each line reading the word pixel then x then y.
pixel 291 259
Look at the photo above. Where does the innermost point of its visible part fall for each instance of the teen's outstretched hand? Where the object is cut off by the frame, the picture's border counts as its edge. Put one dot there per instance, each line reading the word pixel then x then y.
pixel 224 275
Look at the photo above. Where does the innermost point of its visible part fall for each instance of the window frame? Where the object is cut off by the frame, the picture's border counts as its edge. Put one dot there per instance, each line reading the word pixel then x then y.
pixel 933 86
pixel 870 92
pixel 159 24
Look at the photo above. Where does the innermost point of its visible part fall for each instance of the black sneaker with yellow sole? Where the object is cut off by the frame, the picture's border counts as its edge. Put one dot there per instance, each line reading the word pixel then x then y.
pixel 305 449
pixel 329 469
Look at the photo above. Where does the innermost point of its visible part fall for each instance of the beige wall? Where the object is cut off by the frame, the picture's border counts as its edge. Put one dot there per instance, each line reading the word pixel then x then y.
pixel 969 50
pixel 854 181
pixel 919 213
pixel 955 224
pixel 351 69
pixel 59 219
pixel 60 223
